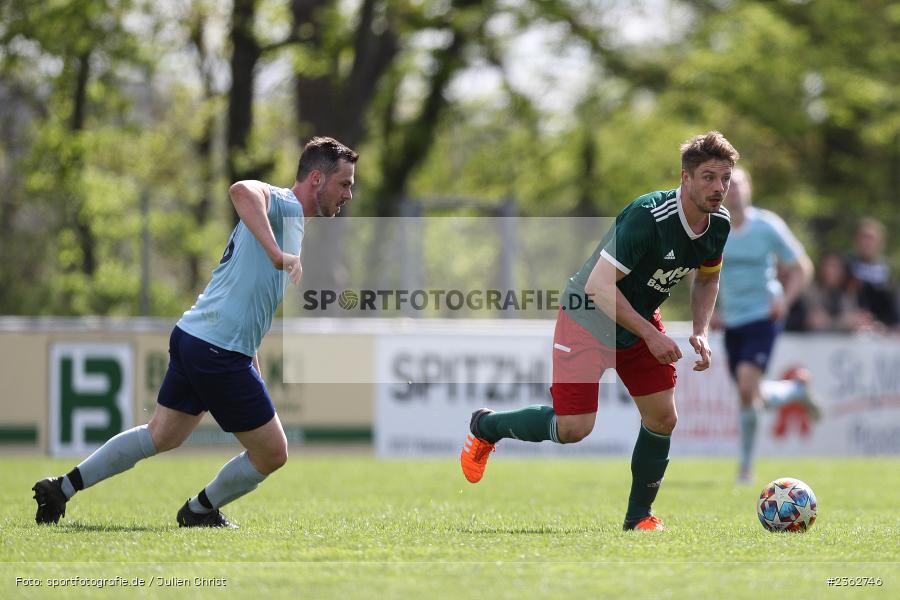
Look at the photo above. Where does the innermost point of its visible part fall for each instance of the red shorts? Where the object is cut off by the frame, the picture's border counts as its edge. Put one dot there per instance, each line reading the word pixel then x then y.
pixel 579 360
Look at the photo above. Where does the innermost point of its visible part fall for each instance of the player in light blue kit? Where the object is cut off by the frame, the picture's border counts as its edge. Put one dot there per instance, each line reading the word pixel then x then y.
pixel 753 302
pixel 212 349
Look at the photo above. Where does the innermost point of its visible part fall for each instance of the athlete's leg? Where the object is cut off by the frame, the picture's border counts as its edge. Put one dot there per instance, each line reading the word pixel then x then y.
pixel 177 414
pixel 748 377
pixel 651 452
pixel 170 428
pixel 658 412
pixel 534 423
pixel 267 446
pixel 574 428
pixel 796 386
pixel 266 452
pixel 749 347
pixel 578 363
pixel 167 430
pixel 118 454
pixel 239 401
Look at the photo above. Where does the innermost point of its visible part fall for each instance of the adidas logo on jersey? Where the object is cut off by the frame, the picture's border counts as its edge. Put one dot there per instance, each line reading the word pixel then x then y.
pixel 670 255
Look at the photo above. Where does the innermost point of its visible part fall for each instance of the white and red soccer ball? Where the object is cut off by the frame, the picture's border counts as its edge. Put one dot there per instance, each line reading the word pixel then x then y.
pixel 787 504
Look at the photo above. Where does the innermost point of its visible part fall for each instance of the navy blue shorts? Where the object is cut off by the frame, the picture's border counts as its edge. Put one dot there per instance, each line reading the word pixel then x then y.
pixel 751 343
pixel 203 376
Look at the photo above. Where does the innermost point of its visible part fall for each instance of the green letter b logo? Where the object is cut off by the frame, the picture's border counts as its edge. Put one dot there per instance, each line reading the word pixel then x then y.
pixel 90 395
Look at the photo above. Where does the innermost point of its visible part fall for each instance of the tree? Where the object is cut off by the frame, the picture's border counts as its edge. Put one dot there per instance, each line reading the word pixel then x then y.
pixel 84 37
pixel 355 72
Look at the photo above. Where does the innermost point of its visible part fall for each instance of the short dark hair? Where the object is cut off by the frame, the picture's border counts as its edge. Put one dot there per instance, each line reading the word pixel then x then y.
pixel 709 146
pixel 323 154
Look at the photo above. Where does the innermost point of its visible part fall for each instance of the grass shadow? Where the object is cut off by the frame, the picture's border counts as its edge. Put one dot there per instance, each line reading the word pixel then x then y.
pixel 519 530
pixel 89 527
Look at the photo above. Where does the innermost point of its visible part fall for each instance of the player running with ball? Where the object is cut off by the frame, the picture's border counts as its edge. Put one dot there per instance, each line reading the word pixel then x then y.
pixel 212 349
pixel 656 240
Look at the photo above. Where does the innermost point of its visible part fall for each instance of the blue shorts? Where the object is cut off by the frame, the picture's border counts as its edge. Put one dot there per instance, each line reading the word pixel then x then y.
pixel 751 343
pixel 203 376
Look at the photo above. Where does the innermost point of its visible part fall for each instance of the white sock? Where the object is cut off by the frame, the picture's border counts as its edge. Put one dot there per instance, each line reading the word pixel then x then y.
pixel 67 488
pixel 118 454
pixel 236 478
pixel 780 392
pixel 748 421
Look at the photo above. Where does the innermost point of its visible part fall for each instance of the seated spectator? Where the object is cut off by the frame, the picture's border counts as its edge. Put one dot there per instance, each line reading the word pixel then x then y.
pixel 829 303
pixel 870 276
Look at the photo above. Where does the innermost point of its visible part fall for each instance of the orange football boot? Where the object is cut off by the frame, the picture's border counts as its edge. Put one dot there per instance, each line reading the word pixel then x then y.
pixel 651 523
pixel 474 457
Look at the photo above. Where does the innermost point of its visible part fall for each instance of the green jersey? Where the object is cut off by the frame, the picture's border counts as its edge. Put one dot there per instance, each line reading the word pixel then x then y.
pixel 652 243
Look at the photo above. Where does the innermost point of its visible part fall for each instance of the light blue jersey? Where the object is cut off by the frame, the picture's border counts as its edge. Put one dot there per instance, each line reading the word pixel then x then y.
pixel 749 281
pixel 235 310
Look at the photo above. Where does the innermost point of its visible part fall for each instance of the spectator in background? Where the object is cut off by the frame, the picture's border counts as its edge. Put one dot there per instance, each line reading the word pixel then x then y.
pixel 870 276
pixel 829 303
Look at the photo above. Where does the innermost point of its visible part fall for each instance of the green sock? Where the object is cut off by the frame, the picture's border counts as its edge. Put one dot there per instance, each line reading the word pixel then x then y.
pixel 648 465
pixel 534 423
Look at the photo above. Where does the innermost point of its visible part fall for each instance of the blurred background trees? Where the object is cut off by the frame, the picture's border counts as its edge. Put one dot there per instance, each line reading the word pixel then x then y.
pixel 124 121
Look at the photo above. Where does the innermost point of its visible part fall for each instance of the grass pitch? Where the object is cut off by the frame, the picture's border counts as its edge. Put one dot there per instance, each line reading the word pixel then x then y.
pixel 362 528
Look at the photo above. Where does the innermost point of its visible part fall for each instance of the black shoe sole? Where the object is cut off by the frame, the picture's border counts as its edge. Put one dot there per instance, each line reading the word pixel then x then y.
pixel 188 518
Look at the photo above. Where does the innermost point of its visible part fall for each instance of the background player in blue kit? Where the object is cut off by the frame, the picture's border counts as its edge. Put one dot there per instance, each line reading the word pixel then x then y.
pixel 753 303
pixel 212 349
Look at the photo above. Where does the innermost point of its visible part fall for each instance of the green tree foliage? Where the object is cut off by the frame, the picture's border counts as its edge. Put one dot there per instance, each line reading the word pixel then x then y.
pixel 123 121
pixel 75 44
pixel 94 140
pixel 808 90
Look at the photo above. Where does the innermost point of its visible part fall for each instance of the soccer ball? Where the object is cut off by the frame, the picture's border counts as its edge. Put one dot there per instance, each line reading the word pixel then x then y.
pixel 787 504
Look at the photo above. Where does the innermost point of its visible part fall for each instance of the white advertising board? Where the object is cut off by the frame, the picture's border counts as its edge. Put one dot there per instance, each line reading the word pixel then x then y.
pixel 430 384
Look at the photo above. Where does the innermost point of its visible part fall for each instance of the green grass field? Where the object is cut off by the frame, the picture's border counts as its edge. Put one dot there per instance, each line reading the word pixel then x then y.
pixel 362 528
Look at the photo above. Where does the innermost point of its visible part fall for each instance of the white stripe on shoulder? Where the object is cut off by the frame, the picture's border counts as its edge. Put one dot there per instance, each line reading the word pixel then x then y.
pixel 663 207
pixel 612 259
pixel 663 217
pixel 721 216
pixel 724 211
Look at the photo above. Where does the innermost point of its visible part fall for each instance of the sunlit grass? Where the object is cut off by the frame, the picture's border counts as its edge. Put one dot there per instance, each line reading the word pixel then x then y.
pixel 359 527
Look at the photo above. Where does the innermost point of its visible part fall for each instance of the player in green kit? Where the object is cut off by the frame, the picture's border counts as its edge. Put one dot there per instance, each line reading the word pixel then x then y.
pixel 610 319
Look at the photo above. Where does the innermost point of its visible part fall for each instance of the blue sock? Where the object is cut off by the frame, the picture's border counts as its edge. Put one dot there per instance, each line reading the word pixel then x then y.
pixel 236 478
pixel 118 454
